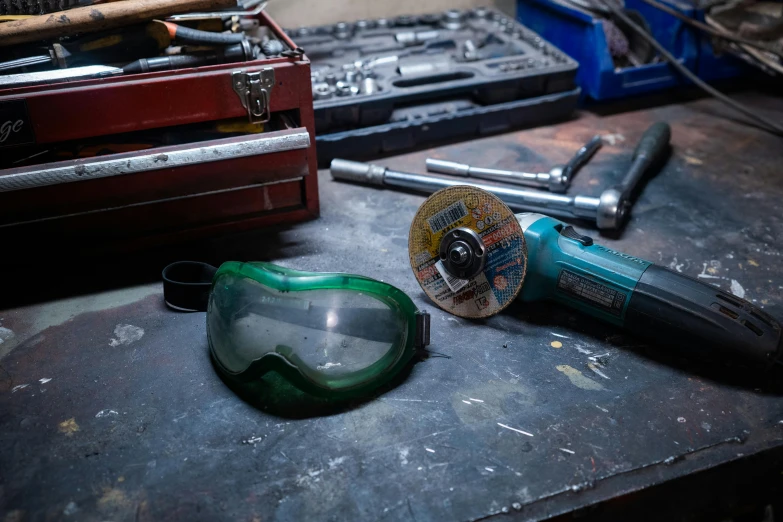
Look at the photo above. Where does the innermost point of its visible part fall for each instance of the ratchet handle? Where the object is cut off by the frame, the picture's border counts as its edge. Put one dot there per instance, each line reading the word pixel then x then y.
pixel 581 157
pixel 652 148
pixel 703 320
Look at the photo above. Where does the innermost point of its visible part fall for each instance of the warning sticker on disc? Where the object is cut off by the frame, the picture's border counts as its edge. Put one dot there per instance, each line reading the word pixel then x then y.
pixel 501 279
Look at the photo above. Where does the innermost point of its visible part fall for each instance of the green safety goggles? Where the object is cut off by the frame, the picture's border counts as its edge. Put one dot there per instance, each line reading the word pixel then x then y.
pixel 330 335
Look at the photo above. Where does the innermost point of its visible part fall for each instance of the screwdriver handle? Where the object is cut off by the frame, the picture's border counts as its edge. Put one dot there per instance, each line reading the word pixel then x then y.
pixel 185 34
pixel 233 53
pixel 652 147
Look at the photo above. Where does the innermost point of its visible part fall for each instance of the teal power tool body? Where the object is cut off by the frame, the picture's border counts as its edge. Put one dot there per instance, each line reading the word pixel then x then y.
pixel 569 268
pixel 473 257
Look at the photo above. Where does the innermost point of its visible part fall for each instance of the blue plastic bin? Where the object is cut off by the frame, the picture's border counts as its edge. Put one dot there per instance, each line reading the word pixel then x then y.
pixel 581 36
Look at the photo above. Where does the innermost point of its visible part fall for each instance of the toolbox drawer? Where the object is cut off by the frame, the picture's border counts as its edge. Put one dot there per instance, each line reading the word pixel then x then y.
pixel 165 216
pixel 159 190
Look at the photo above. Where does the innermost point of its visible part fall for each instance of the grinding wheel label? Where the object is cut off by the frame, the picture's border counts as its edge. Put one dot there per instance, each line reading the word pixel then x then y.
pixel 501 279
pixel 446 217
pixel 454 283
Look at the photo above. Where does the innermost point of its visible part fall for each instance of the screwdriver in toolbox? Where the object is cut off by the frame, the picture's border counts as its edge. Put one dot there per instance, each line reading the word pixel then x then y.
pixel 240 52
pixel 100 48
pixel 141 40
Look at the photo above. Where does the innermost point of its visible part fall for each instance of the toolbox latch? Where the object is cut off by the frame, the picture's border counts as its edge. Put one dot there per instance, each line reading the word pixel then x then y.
pixel 254 89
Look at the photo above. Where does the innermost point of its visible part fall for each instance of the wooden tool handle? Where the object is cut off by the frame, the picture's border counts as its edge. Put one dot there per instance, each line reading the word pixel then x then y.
pixel 99 17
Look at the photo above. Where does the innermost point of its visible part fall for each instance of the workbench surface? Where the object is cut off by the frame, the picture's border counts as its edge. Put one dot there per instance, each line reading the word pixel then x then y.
pixel 111 410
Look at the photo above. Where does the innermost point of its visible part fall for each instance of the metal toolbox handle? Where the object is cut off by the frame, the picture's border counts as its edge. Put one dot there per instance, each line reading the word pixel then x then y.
pixel 153 159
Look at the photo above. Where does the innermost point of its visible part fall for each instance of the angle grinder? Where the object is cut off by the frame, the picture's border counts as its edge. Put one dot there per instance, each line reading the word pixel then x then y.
pixel 472 256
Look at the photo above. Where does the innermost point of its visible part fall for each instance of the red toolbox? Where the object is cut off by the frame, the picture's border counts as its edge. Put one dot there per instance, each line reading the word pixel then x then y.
pixel 128 186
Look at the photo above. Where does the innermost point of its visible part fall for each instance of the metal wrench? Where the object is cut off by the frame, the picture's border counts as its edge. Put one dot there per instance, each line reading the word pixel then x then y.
pixel 608 211
pixel 558 179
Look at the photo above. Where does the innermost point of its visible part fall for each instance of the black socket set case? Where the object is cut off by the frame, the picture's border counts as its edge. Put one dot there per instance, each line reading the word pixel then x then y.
pixel 387 85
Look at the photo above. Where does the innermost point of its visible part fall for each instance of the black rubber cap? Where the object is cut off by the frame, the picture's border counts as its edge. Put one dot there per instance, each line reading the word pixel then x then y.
pixel 187 284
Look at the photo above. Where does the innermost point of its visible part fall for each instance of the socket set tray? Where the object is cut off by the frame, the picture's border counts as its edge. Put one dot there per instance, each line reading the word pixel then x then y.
pixel 376 79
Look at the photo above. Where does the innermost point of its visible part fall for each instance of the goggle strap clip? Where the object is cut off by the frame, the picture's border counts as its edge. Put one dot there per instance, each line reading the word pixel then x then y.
pixel 422 338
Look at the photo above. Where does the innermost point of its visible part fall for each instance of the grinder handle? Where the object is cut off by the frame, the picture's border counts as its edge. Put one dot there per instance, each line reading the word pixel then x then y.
pixel 676 309
pixel 646 300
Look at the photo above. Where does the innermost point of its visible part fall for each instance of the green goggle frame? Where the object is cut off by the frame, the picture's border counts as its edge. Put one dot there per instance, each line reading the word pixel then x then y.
pixel 329 334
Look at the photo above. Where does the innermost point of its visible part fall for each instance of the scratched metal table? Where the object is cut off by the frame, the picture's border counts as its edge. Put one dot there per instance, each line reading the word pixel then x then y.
pixel 111 410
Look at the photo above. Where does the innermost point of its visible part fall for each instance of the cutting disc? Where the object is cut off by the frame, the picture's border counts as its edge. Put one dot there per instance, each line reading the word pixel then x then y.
pixel 470 212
